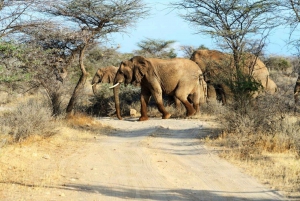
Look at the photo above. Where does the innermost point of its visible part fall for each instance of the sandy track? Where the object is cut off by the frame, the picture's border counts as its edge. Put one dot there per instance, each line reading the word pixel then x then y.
pixel 158 160
pixel 152 160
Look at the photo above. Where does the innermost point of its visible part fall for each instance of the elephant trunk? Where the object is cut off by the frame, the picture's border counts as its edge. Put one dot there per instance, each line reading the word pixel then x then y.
pixel 94 83
pixel 117 101
pixel 94 88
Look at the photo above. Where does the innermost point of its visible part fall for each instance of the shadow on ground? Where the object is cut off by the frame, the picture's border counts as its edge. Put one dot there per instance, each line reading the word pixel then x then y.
pixel 157 194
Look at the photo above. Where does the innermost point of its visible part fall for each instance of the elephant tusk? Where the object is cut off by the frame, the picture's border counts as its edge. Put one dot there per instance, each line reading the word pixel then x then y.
pixel 114 85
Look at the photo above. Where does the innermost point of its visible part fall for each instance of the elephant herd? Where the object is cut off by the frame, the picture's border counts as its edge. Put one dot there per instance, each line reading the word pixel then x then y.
pixel 190 81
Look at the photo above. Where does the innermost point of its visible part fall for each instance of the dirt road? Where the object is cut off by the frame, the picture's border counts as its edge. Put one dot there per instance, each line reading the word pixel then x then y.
pixel 152 160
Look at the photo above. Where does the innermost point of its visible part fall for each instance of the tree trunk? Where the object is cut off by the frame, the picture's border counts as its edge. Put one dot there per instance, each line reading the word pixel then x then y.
pixel 79 85
pixel 56 101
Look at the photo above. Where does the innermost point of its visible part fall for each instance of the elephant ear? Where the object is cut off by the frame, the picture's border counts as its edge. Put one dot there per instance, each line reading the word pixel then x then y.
pixel 106 79
pixel 140 67
pixel 97 77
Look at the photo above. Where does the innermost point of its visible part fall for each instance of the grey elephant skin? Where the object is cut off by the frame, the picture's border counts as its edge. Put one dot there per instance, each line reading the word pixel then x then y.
pixel 210 62
pixel 174 77
pixel 104 75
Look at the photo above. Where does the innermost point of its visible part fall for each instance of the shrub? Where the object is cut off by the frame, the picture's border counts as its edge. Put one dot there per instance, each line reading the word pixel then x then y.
pixel 278 63
pixel 30 118
pixel 268 126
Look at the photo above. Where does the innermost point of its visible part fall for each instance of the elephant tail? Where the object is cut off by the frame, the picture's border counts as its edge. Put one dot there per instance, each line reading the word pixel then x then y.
pixel 204 86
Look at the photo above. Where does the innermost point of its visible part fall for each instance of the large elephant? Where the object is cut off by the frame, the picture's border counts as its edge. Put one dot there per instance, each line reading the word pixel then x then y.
pixel 213 64
pixel 174 77
pixel 104 75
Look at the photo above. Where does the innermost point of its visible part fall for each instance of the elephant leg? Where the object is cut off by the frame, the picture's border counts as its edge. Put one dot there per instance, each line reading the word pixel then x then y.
pixel 177 103
pixel 157 94
pixel 145 98
pixel 188 106
pixel 221 93
pixel 211 93
pixel 195 99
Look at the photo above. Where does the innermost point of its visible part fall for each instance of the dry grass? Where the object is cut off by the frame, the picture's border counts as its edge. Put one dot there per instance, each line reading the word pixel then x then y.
pixel 37 162
pixel 273 159
pixel 32 117
pixel 265 141
pixel 280 171
pixel 82 120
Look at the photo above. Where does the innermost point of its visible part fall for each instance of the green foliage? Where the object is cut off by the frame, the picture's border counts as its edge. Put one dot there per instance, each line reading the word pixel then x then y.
pixel 202 47
pixel 156 48
pixel 9 70
pixel 278 63
pixel 241 85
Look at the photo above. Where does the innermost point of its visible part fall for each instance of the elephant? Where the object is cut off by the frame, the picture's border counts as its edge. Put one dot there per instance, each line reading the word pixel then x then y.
pixel 176 77
pixel 104 75
pixel 213 65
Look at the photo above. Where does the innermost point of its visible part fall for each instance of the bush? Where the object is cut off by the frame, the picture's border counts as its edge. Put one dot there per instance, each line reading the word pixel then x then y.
pixel 278 63
pixel 30 118
pixel 268 126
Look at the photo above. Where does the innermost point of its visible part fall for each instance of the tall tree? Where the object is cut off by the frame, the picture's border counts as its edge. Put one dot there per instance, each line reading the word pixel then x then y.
pixel 156 48
pixel 235 24
pixel 14 15
pixel 291 17
pixel 93 20
pixel 291 12
pixel 232 22
pixel 51 53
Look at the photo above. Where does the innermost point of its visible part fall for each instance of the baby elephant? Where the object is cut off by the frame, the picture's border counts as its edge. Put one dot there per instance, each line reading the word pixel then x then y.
pixel 104 75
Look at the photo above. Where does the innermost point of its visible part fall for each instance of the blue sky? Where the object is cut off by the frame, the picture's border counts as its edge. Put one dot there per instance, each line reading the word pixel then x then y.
pixel 165 24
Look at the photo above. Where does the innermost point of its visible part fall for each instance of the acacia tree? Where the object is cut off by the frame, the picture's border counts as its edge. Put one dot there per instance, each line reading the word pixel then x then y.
pixel 235 24
pixel 15 15
pixel 291 15
pixel 292 19
pixel 156 48
pixel 92 20
pixel 50 55
pixel 232 22
pixel 12 15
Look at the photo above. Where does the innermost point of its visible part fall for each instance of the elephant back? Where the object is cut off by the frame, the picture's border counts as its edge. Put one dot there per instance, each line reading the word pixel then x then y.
pixel 261 74
pixel 207 59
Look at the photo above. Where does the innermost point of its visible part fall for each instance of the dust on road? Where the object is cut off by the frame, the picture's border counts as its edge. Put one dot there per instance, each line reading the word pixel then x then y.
pixel 152 160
